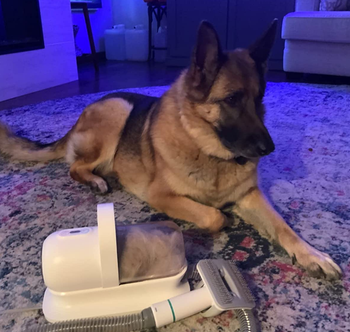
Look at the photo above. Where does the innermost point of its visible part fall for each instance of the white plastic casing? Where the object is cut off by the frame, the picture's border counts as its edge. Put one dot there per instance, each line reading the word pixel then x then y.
pixel 82 258
pixel 67 256
pixel 80 269
pixel 107 240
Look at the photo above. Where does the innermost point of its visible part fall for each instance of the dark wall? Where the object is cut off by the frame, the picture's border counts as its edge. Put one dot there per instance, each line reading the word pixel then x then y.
pixel 21 27
pixel 238 23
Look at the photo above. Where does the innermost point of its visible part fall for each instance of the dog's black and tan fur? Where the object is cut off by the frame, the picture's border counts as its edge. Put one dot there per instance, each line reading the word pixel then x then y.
pixel 191 152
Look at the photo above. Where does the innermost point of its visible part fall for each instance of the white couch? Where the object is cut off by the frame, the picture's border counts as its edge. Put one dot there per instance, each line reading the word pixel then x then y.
pixel 316 42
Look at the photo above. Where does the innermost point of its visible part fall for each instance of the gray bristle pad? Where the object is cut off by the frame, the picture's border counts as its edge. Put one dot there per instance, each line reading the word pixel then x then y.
pixel 219 283
pixel 222 294
pixel 243 283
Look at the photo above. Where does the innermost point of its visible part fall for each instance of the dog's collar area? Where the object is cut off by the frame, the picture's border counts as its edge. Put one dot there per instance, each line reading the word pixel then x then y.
pixel 241 160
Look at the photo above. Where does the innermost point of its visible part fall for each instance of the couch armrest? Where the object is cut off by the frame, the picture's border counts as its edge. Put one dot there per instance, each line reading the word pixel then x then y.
pixel 307 5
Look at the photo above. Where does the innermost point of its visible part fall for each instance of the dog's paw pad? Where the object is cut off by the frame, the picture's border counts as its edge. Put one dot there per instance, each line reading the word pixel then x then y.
pixel 99 185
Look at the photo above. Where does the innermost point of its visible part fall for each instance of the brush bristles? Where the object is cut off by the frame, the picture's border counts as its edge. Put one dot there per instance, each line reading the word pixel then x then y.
pixel 225 295
pixel 226 284
pixel 243 283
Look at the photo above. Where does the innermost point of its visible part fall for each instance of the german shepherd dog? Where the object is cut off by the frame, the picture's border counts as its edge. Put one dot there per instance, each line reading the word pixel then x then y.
pixel 191 153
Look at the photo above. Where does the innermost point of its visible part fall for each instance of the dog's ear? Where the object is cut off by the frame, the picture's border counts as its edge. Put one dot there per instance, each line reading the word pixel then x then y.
pixel 261 49
pixel 206 61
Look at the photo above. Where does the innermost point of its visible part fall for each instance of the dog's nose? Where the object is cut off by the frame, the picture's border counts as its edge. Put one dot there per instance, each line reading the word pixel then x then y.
pixel 262 150
pixel 265 148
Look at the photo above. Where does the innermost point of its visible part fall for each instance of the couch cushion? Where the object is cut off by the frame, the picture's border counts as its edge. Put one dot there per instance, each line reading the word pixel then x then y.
pixel 334 5
pixel 325 26
pixel 313 57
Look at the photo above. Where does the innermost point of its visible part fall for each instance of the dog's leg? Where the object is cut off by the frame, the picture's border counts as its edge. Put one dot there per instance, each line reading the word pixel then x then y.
pixel 255 209
pixel 82 173
pixel 184 208
pixel 94 140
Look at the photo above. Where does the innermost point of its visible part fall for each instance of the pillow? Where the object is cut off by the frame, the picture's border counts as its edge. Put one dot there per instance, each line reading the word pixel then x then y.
pixel 333 5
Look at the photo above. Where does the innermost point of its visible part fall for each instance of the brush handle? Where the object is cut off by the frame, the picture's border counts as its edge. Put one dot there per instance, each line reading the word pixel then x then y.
pixel 181 306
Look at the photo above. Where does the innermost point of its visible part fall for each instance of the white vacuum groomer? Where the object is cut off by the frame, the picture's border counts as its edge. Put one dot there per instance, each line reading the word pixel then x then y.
pixel 133 277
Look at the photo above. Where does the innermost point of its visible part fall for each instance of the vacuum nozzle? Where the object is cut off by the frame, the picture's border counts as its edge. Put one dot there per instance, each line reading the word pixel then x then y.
pixel 226 286
pixel 222 287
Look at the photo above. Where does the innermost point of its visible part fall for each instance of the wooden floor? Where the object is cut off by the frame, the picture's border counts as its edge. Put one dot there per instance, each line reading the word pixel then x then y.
pixel 112 75
pixel 118 75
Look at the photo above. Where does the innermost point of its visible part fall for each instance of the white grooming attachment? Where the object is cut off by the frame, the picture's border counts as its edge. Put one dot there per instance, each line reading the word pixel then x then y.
pixel 222 288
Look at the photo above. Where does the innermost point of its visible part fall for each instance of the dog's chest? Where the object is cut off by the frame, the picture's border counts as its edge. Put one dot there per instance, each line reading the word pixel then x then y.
pixel 214 181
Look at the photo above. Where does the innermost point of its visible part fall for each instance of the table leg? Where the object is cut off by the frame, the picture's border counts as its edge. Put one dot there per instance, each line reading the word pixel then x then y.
pixel 91 38
pixel 150 20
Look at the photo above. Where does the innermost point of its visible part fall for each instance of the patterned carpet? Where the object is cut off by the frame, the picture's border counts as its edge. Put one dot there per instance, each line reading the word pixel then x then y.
pixel 307 178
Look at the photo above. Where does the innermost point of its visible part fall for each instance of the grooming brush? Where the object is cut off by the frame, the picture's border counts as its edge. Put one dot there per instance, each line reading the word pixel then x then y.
pixel 221 288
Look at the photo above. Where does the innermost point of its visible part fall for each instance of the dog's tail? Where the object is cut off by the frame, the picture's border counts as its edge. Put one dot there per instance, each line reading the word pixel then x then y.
pixel 22 149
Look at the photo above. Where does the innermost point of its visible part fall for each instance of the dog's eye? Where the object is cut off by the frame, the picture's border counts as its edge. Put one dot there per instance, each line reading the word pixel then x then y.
pixel 235 98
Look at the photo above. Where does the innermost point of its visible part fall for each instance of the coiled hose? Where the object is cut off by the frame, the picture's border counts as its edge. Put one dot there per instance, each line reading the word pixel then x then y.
pixel 246 320
pixel 126 323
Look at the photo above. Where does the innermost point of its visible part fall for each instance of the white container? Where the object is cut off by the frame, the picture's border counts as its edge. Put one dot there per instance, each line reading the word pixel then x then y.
pixel 115 43
pixel 109 270
pixel 136 43
pixel 160 40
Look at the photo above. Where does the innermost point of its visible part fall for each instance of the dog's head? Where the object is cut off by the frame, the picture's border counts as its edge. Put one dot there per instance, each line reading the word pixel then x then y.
pixel 226 90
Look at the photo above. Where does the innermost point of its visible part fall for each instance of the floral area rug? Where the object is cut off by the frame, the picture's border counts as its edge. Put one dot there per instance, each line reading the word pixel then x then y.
pixel 307 179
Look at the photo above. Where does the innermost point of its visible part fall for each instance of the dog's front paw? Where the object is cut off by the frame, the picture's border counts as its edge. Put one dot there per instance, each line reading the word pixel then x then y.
pixel 215 221
pixel 99 185
pixel 317 263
